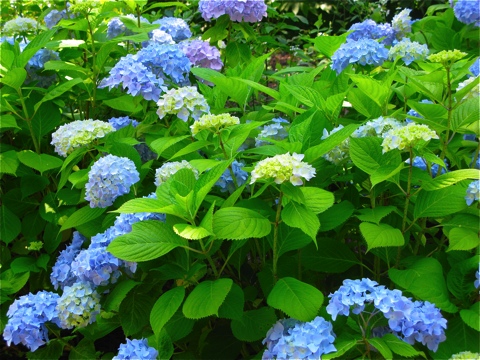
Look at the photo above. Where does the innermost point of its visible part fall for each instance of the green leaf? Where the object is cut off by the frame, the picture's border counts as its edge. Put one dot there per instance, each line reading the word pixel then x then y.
pixel 232 307
pixel 336 215
pixel 374 89
pixel 471 316
pixel 376 214
pixel 424 279
pixel 298 216
pixel 438 203
pixel 234 223
pixel 342 347
pixel 386 172
pixel 265 89
pixel 14 78
pixel 206 298
pixel 289 239
pixel 462 239
pixel 465 114
pixel 8 122
pixel 163 143
pixel 191 232
pixel 382 347
pixel 460 337
pixel 327 45
pixel 148 240
pixel 316 199
pixel 40 162
pixel 207 180
pixel 57 91
pixel 313 153
pixel 135 312
pixel 451 178
pixel 295 298
pixel 117 294
pixel 45 120
pixel 400 347
pixel 254 324
pixel 10 225
pixel 366 153
pixel 332 256
pixel 24 264
pixel 165 307
pixel 11 282
pixel 126 103
pixel 82 216
pixel 381 235
pixel 192 147
pixel 459 278
pixel 53 350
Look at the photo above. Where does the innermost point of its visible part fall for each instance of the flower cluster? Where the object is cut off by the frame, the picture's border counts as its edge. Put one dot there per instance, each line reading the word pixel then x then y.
pixel 363 52
pixel 283 168
pixel 136 349
pixel 274 131
pixel 407 136
pixel 184 102
pixel 409 51
pixel 121 122
pixel 37 63
pixel 62 275
pixel 292 339
pixel 407 319
pixel 73 135
pixel 421 163
pixel 164 173
pixel 474 92
pixel 465 355
pixel 161 37
pixel 377 127
pixel 447 57
pixel 27 317
pixel 177 28
pixel 473 192
pixel 110 177
pixel 20 25
pixel 340 153
pixel 369 29
pixel 116 27
pixel 227 183
pixel 475 68
pixel 237 10
pixel 202 54
pixel 476 283
pixel 54 16
pixel 468 11
pixel 402 23
pixel 78 306
pixel 213 123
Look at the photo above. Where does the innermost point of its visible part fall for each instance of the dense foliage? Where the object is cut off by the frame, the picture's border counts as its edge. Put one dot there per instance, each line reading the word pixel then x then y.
pixel 222 179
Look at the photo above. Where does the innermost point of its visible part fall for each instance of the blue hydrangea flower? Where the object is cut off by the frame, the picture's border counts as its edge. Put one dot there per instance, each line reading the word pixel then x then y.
pixel 377 127
pixel 185 102
pixel 468 11
pixel 473 192
pixel 176 27
pixel 475 68
pixel 36 65
pixel 122 122
pixel 476 283
pixel 275 131
pixel 161 37
pixel 237 10
pixel 54 17
pixel 422 164
pixel 41 57
pixel 363 52
pixel 409 51
pixel 97 266
pixel 20 25
pixel 110 177
pixel 369 29
pixel 145 153
pixel 402 23
pixel 136 349
pixel 202 54
pixel 27 317
pixel 412 112
pixel 62 274
pixel 226 183
pixel 78 306
pixel 292 339
pixel 116 27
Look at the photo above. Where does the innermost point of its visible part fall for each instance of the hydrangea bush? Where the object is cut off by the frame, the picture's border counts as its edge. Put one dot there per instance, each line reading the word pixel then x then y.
pixel 229 179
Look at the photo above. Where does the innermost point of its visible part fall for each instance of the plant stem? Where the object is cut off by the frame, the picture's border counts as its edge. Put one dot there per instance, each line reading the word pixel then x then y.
pixel 209 258
pixel 449 114
pixel 407 202
pixel 275 236
pixel 29 121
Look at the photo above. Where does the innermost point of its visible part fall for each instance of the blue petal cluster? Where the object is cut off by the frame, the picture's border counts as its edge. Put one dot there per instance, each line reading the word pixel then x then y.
pixel 202 54
pixel 121 122
pixel 116 27
pixel 145 153
pixel 110 177
pixel 226 183
pixel 275 131
pixel 292 339
pixel 62 274
pixel 36 65
pixel 54 17
pixel 27 317
pixel 237 10
pixel 369 29
pixel 177 28
pixel 475 68
pixel 136 349
pixel 409 51
pixel 363 52
pixel 422 164
pixel 160 37
pixel 468 11
pixel 476 283
pixel 473 192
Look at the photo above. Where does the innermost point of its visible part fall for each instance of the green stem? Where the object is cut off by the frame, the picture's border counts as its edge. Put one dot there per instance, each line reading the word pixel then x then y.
pixel 407 202
pixel 209 258
pixel 449 114
pixel 275 236
pixel 29 121
pixel 94 65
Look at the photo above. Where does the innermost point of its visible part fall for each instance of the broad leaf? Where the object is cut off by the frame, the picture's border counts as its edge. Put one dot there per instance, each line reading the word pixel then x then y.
pixel 165 307
pixel 254 324
pixel 134 312
pixel 82 216
pixel 191 232
pixel 471 316
pixel 206 298
pixel 298 216
pixel 400 347
pixel 462 239
pixel 381 347
pixel 376 214
pixel 40 162
pixel 332 256
pixel 316 199
pixel 232 307
pixel 451 178
pixel 438 203
pixel 235 223
pixel 381 235
pixel 329 143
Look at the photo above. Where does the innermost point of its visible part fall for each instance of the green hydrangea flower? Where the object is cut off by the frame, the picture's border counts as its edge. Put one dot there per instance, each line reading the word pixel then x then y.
pixel 447 57
pixel 214 123
pixel 406 136
pixel 465 355
pixel 164 173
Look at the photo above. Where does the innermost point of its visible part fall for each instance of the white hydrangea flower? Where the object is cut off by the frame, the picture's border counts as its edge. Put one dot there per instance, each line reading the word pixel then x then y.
pixel 407 136
pixel 474 92
pixel 164 173
pixel 214 122
pixel 184 102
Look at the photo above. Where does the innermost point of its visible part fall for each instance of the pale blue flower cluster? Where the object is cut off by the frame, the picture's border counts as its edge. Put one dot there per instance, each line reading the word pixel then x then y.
pixel 121 122
pixel 36 65
pixel 275 131
pixel 136 349
pixel 422 164
pixel 468 11
pixel 202 54
pixel 376 127
pixel 161 37
pixel 177 28
pixel 20 25
pixel 185 102
pixel 54 17
pixel 474 92
pixel 369 29
pixel 164 172
pixel 340 153
pixel 62 274
pixel 116 27
pixel 78 306
pixel 409 320
pixel 27 317
pixel 226 183
pixel 363 52
pixel 476 283
pixel 292 339
pixel 145 153
pixel 237 10
pixel 475 68
pixel 77 133
pixel 409 51
pixel 110 177
pixel 473 192
pixel 402 23
pixel 412 112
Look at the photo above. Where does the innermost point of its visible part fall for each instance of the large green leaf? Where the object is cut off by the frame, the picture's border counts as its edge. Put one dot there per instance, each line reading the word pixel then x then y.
pixel 381 347
pixel 135 311
pixel 14 78
pixel 118 294
pixel 462 239
pixel 82 216
pixel 376 214
pixel 9 160
pixel 329 143
pixel 254 324
pixel 206 298
pixel 460 337
pixel 327 45
pixel 191 232
pixel 40 162
pixel 451 178
pixel 289 239
pixel 374 89
pixel 440 202
pixel 459 278
pixel 207 180
pixel 295 298
pixel 298 216
pixel 400 347
pixel 424 278
pixel 342 347
pixel 332 256
pixel 161 144
pixel 316 199
pixel 381 235
pixel 10 225
pixel 57 91
pixel 336 215
pixel 232 307
pixel 235 223
pixel 165 307
pixel 366 153
pixel 148 240
pixel 471 316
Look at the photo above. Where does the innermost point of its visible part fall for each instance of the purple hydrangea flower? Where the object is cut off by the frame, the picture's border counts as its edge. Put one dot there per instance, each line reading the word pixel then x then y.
pixel 136 349
pixel 122 122
pixel 62 274
pixel 468 11
pixel 473 192
pixel 226 183
pixel 110 177
pixel 409 51
pixel 363 52
pixel 177 28
pixel 275 131
pixel 27 317
pixel 237 10
pixel 421 163
pixel 369 29
pixel 202 54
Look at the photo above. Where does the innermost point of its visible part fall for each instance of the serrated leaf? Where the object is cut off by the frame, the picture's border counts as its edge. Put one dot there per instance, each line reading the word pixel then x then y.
pixel 232 307
pixel 197 145
pixel 400 347
pixel 295 298
pixel 289 239
pixel 342 347
pixel 332 256
pixel 386 172
pixel 440 202
pixel 134 312
pixel 376 214
pixel 206 298
pixel 366 153
pixel 374 89
pixel 40 162
pixel 316 199
pixel 471 316
pixel 459 277
pixel 14 78
pixel 382 348
pixel 9 162
pixel 298 216
pixel 148 240
pixel 82 216
pixel 207 180
pixel 327 45
pixel 235 223
pixel 336 215
pixel 191 232
pixel 462 239
pixel 381 235
pixel 117 294
pixel 165 307
pixel 451 178
pixel 254 324
pixel 11 282
pixel 10 225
